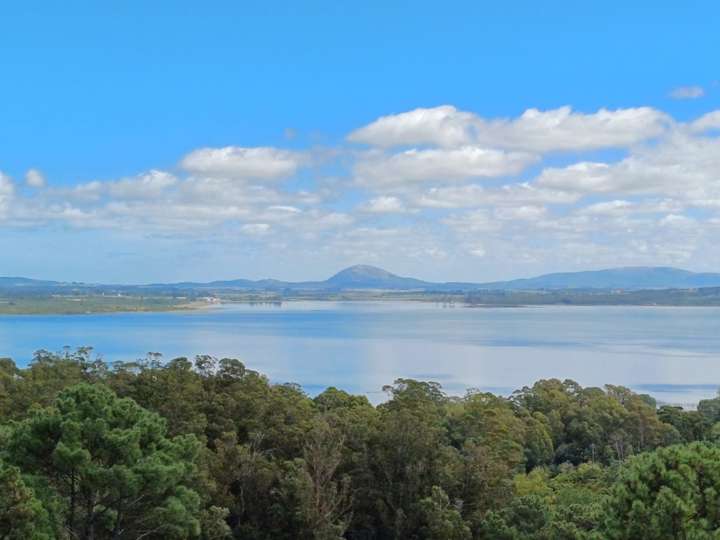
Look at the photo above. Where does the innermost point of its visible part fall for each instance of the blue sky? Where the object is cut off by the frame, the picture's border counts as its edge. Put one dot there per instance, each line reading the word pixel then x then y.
pixel 96 95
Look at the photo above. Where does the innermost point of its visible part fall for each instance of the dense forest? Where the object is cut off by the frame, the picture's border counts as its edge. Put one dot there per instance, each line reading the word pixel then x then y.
pixel 206 448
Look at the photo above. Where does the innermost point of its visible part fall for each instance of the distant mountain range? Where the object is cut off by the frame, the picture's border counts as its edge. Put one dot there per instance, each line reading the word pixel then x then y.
pixel 629 278
pixel 363 277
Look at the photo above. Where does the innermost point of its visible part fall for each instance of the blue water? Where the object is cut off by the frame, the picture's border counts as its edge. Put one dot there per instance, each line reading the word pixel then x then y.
pixel 672 353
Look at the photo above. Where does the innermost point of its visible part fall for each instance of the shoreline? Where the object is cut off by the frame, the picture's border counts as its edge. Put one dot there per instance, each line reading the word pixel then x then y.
pixel 47 310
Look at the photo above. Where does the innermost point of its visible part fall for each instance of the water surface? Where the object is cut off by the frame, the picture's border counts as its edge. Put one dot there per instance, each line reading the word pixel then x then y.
pixel 672 353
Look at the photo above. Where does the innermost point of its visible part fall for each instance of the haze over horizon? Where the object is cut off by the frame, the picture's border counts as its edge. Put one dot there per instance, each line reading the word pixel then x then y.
pixel 206 144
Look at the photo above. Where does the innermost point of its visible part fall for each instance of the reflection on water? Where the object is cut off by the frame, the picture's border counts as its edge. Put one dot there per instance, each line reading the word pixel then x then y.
pixel 671 353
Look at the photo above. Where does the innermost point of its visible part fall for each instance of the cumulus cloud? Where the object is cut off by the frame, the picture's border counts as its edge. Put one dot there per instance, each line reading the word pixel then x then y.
pixel 462 187
pixel 681 166
pixel 565 130
pixel 476 250
pixel 624 208
pixel 559 129
pixel 442 126
pixel 521 213
pixel 706 122
pixel 473 222
pixel 237 162
pixel 687 92
pixel 441 165
pixel 384 205
pixel 35 179
pixel 475 195
pixel 160 202
pixel 255 229
pixel 7 190
pixel 148 185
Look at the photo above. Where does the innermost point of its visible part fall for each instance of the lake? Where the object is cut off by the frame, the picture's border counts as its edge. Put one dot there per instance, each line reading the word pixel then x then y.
pixel 672 353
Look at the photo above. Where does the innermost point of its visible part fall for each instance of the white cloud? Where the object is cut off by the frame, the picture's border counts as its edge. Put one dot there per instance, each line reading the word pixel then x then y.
pixel 248 163
pixel 585 177
pixel 473 222
pixel 559 129
pixel 460 189
pixel 159 202
pixel 681 166
pixel 255 229
pixel 687 92
pixel 7 191
pixel 706 122
pixel 284 208
pixel 678 221
pixel 623 208
pixel 440 165
pixel 149 185
pixel 35 179
pixel 378 244
pixel 332 220
pixel 477 251
pixel 442 126
pixel 384 205
pixel 521 213
pixel 474 195
pixel 564 130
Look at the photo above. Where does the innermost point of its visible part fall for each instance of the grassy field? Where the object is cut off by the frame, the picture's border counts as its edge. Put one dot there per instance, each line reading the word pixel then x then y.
pixel 37 305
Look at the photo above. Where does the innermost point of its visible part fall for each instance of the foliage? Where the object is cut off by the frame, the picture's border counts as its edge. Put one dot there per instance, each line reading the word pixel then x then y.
pixel 673 493
pixel 206 448
pixel 22 516
pixel 108 463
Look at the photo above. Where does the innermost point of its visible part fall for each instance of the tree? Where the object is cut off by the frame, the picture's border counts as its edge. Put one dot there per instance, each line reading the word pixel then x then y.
pixel 525 518
pixel 313 501
pixel 440 519
pixel 22 516
pixel 356 421
pixel 110 464
pixel 692 425
pixel 672 493
pixel 710 409
pixel 158 387
pixel 409 453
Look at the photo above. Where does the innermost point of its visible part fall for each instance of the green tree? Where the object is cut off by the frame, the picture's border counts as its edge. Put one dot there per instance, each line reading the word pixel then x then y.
pixel 109 462
pixel 440 519
pixel 22 516
pixel 524 518
pixel 672 493
pixel 710 409
pixel 409 454
pixel 691 425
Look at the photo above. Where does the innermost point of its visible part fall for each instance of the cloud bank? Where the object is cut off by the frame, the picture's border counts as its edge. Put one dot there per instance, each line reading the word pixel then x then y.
pixel 545 190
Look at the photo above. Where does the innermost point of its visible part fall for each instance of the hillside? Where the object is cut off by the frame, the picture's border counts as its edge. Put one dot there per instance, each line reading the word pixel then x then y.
pixel 365 277
pixel 630 278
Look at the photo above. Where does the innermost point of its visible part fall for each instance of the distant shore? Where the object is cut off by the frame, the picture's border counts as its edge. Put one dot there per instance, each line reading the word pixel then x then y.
pixel 80 304
pixel 94 305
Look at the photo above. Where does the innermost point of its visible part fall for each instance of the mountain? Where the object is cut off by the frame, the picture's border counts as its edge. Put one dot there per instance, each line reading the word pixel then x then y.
pixel 26 282
pixel 355 277
pixel 366 277
pixel 629 278
pixel 371 277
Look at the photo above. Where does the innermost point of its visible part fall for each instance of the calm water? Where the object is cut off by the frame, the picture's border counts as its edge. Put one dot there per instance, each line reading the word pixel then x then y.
pixel 672 353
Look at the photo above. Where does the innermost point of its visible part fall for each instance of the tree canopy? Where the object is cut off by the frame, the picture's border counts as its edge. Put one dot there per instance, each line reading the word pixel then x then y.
pixel 206 448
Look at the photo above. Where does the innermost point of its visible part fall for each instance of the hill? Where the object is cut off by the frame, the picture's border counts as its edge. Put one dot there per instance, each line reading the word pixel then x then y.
pixel 365 277
pixel 370 277
pixel 629 278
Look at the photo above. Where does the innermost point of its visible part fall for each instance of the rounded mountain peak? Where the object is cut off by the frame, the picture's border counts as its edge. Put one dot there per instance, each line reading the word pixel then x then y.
pixel 362 271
